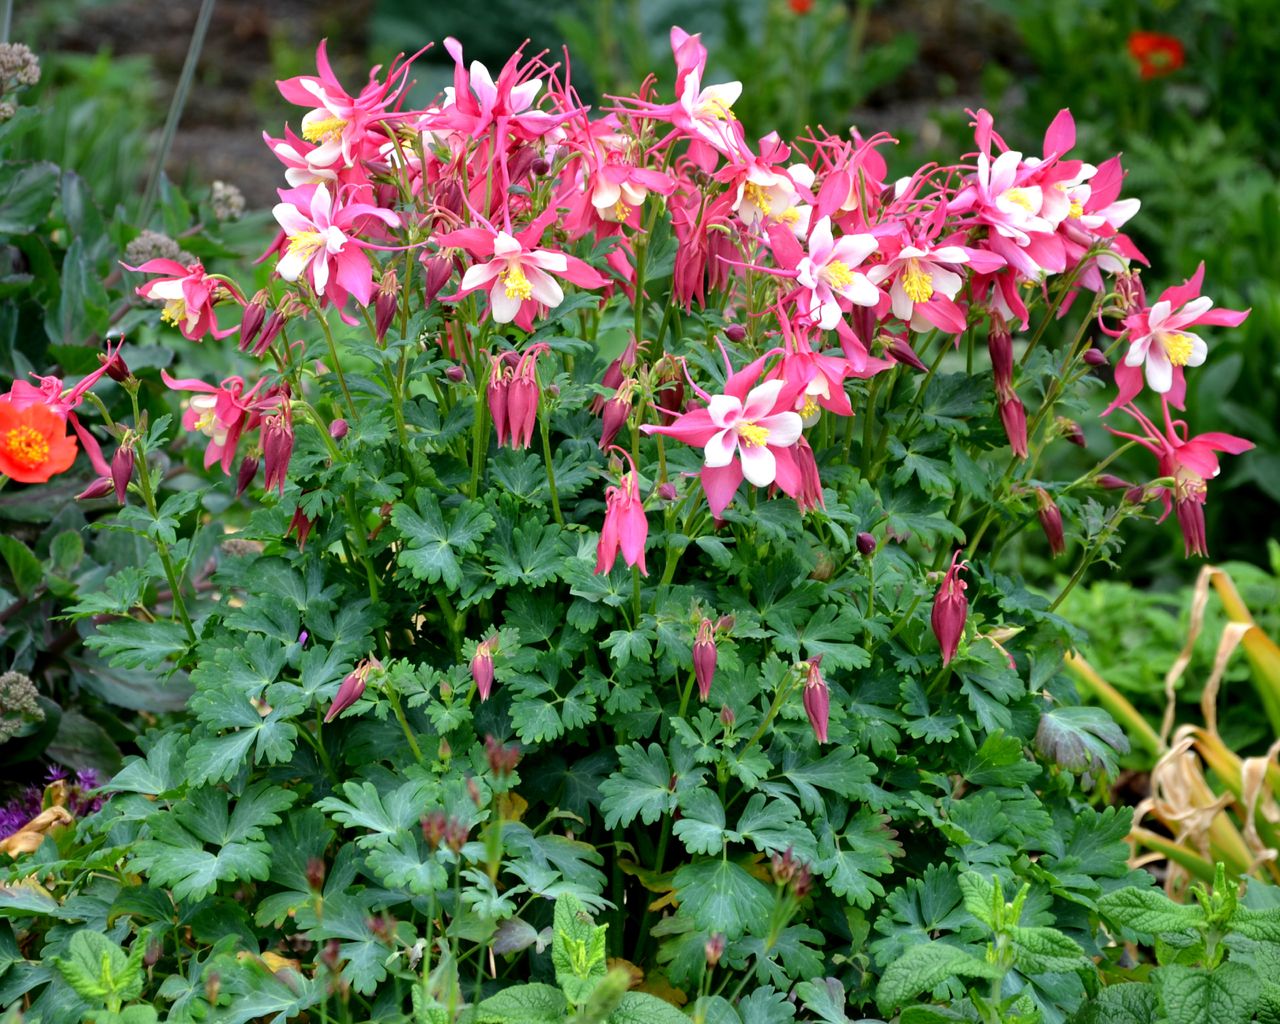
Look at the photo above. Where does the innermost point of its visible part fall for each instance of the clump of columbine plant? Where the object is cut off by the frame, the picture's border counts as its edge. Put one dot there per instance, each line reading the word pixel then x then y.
pixel 508 339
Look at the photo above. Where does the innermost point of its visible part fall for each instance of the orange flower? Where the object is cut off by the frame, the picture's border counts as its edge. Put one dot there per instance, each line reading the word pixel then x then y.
pixel 1156 53
pixel 800 6
pixel 34 443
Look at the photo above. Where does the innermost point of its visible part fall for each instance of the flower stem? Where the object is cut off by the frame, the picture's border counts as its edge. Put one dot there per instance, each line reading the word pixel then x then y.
pixel 551 471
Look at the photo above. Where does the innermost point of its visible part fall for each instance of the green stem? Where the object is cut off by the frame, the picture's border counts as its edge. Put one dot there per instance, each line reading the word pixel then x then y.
pixel 333 353
pixel 551 471
pixel 394 699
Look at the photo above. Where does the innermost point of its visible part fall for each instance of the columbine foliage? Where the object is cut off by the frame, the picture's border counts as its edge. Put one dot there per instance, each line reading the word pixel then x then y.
pixel 623 583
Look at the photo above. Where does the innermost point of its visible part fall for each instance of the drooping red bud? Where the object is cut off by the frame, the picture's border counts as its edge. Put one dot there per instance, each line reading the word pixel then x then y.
pixel 439 270
pixel 1111 482
pixel 277 448
pixel 1050 521
pixel 455 374
pixel 351 688
pixel 1095 357
pixel 301 526
pixel 482 668
pixel 385 304
pixel 615 413
pixel 817 699
pixel 498 393
pixel 1014 417
pixel 1000 347
pixel 714 949
pixel 1071 431
pixel 270 331
pixel 114 367
pixel 122 471
pixel 950 609
pixel 668 492
pixel 244 476
pixel 736 333
pixel 100 488
pixel 255 314
pixel 809 496
pixel 866 543
pixel 704 658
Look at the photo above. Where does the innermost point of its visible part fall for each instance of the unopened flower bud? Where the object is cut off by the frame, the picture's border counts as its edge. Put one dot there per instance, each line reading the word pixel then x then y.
pixel 122 471
pixel 1071 431
pixel 1014 417
pixel 817 699
pixel 352 688
pixel 212 987
pixel 736 333
pixel 331 955
pixel 502 759
pixel 244 476
pixel 115 367
pixel 802 884
pixel 277 448
pixel 456 374
pixel 315 874
pixel 1136 495
pixel 1095 357
pixel 482 668
pixel 1111 482
pixel 100 488
pixel 384 305
pixel 271 329
pixel 950 609
pixel 783 866
pixel 727 717
pixel 1050 521
pixel 668 492
pixel 498 395
pixel 455 835
pixel 255 314
pixel 155 949
pixel 724 624
pixel 615 413
pixel 866 543
pixel 338 429
pixel 433 829
pixel 704 658
pixel 714 949
pixel 439 270
pixel 540 166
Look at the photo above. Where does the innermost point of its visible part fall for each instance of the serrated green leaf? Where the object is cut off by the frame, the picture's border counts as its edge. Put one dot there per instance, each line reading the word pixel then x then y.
pixel 923 968
pixel 523 1004
pixel 721 896
pixel 642 1008
pixel 1191 995
pixel 640 788
pixel 1039 950
pixel 436 544
pixel 1149 911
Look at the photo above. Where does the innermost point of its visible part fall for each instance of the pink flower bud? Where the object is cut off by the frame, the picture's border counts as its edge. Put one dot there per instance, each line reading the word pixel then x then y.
pixel 100 488
pixel 1071 432
pixel 1111 482
pixel 456 374
pixel 277 448
pixel 616 411
pixel 482 668
pixel 351 688
pixel 122 471
pixel 714 949
pixel 385 304
pixel 809 496
pixel 439 270
pixel 817 699
pixel 900 351
pixel 950 609
pixel 727 717
pixel 616 372
pixel 668 492
pixel 625 526
pixel 255 314
pixel 270 331
pixel 502 759
pixel 1095 357
pixel 523 396
pixel 338 429
pixel 736 333
pixel 1137 495
pixel 1000 346
pixel 866 543
pixel 1190 513
pixel 114 367
pixel 244 476
pixel 540 166
pixel 1014 417
pixel 1050 521
pixel 704 658
pixel 498 393
pixel 301 526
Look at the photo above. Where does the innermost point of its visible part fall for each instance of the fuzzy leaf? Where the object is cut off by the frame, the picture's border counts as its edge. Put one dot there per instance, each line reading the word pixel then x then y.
pixel 923 968
pixel 1149 911
pixel 1191 995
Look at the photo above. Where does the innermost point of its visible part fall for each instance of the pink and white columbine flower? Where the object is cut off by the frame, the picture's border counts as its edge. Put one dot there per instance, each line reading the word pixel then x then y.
pixel 749 431
pixel 829 273
pixel 1190 462
pixel 321 242
pixel 475 102
pixel 518 278
pixel 188 294
pixel 625 526
pixel 1160 344
pixel 221 413
pixel 924 286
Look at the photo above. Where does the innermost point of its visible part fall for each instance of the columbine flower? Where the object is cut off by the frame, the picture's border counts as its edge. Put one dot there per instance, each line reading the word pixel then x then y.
pixel 189 295
pixel 705 657
pixel 830 270
pixel 1161 344
pixel 924 285
pixel 321 242
pixel 950 609
pixel 625 526
pixel 475 102
pixel 746 432
pixel 518 277
pixel 221 413
pixel 482 667
pixel 34 443
pixel 352 687
pixel 817 698
pixel 1190 462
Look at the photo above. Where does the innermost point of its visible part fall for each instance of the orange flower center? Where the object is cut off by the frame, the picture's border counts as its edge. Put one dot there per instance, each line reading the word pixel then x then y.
pixel 27 447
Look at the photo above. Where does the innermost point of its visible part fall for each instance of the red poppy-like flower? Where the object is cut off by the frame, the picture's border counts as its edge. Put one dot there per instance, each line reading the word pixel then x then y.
pixel 34 443
pixel 800 6
pixel 1156 53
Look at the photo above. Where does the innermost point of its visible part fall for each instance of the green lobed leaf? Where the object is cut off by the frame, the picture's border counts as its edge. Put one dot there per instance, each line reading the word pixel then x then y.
pixel 923 968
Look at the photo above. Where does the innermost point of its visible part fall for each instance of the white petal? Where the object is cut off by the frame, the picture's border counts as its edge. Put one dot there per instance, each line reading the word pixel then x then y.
pixel 862 292
pixel 1159 370
pixel 505 245
pixel 293 220
pixel 719 450
pixel 1159 314
pixel 320 273
pixel 784 429
pixel 724 410
pixel 545 287
pixel 945 281
pixel 291 265
pixel 523 95
pixel 552 261
pixel 480 274
pixel 504 307
pixel 1198 349
pixel 761 399
pixel 758 465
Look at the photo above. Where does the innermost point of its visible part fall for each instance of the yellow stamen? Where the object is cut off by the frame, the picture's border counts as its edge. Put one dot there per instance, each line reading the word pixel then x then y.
pixel 1077 210
pixel 717 109
pixel 174 312
pixel 752 434
pixel 518 286
pixel 838 274
pixel 789 216
pixel 27 447
pixel 811 408
pixel 306 243
pixel 1019 196
pixel 756 196
pixel 621 211
pixel 324 129
pixel 1177 347
pixel 917 283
